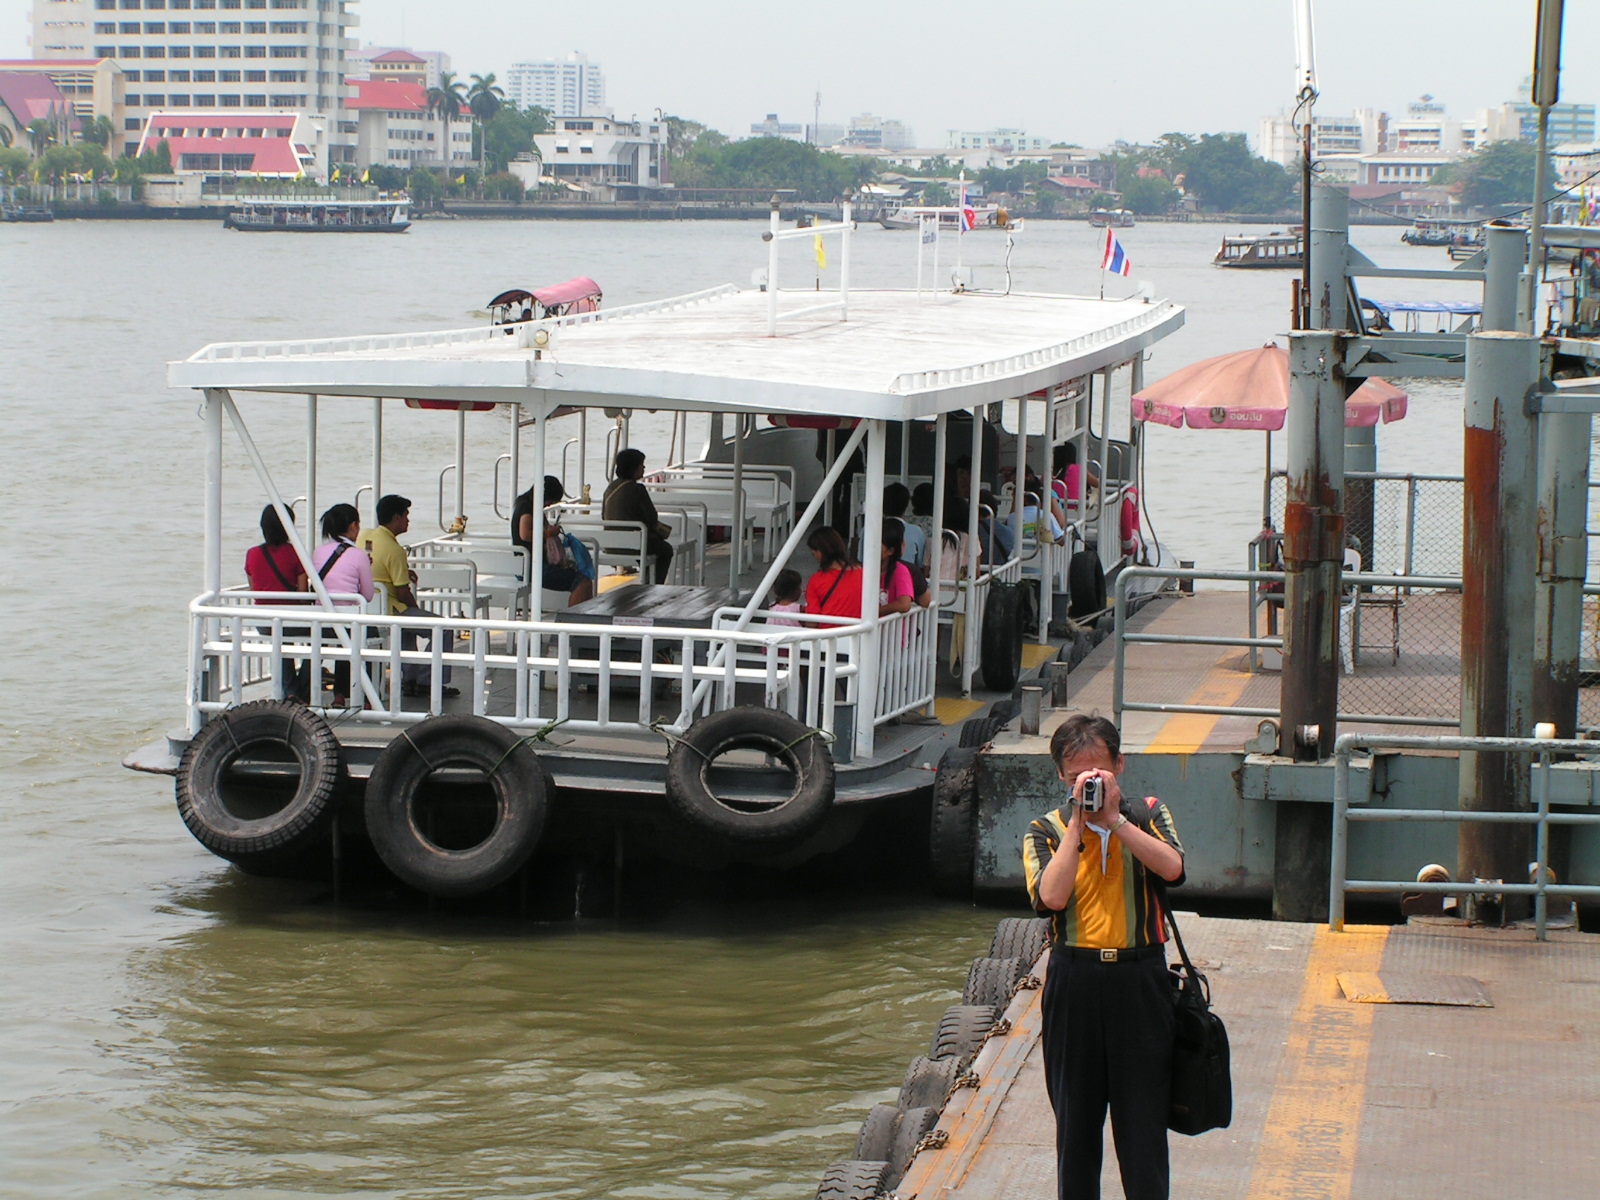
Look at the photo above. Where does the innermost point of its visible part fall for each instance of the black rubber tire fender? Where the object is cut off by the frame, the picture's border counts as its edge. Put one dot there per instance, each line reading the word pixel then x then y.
pixel 952 822
pixel 913 1124
pixel 978 731
pixel 284 730
pixel 877 1133
pixel 853 1179
pixel 927 1083
pixel 796 746
pixel 519 784
pixel 990 981
pixel 1000 646
pixel 1020 937
pixel 1086 584
pixel 961 1032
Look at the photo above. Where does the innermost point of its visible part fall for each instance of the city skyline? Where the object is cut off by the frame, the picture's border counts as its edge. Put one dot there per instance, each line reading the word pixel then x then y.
pixel 728 64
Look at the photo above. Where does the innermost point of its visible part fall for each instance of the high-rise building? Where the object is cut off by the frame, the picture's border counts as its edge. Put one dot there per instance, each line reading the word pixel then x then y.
pixel 278 55
pixel 1015 141
pixel 879 133
pixel 774 128
pixel 570 86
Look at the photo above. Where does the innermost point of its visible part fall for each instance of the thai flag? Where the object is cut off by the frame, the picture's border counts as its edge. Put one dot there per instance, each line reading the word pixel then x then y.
pixel 1116 260
pixel 969 219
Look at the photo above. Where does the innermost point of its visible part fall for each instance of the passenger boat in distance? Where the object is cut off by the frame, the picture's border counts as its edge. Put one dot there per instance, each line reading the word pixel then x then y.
pixel 1111 218
pixel 978 217
pixel 1445 231
pixel 1277 249
pixel 320 215
pixel 516 305
pixel 27 213
pixel 505 732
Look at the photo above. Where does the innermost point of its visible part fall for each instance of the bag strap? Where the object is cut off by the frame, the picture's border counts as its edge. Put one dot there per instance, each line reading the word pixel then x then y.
pixel 266 551
pixel 837 580
pixel 332 558
pixel 1142 819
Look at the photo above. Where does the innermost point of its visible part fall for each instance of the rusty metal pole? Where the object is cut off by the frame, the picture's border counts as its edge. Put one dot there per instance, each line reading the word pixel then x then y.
pixel 1499 563
pixel 1313 546
pixel 1563 549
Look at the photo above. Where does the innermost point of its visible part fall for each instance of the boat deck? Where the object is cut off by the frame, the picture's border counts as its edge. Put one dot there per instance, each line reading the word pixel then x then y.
pixel 1473 1075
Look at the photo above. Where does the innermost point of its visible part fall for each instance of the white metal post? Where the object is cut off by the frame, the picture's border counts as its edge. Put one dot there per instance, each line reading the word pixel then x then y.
pixel 871 584
pixel 905 450
pixel 772 271
pixel 516 453
pixel 311 469
pixel 1110 547
pixel 922 229
pixel 969 641
pixel 1022 473
pixel 583 449
pixel 536 557
pixel 377 456
pixel 844 265
pixel 213 557
pixel 736 550
pixel 936 535
pixel 461 462
pixel 1047 472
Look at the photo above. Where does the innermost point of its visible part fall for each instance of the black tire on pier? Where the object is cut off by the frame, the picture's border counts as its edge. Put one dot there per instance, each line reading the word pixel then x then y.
pixel 914 1123
pixel 456 805
pixel 1020 937
pixel 877 1133
pixel 952 829
pixel 260 780
pixel 990 981
pixel 1001 643
pixel 961 1032
pixel 978 731
pixel 771 817
pixel 1086 584
pixel 853 1180
pixel 927 1083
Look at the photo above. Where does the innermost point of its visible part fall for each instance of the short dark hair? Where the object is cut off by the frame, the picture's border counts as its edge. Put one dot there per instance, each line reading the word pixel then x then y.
pixel 894 535
pixel 554 491
pixel 895 499
pixel 391 506
pixel 827 542
pixel 630 462
pixel 786 587
pixel 337 520
pixel 922 500
pixel 1080 732
pixel 272 530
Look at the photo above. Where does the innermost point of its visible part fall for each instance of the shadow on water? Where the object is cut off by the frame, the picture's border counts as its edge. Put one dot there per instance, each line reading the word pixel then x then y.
pixel 714 1044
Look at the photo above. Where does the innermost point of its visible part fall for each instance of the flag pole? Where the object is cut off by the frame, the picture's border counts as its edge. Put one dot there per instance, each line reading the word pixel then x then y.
pixel 1103 250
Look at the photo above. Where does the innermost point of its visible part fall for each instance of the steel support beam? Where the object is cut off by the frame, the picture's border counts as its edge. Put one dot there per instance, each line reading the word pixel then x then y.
pixel 1497 601
pixel 1563 562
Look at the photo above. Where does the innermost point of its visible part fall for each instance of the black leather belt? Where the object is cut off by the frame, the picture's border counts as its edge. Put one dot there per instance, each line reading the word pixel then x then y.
pixel 1134 954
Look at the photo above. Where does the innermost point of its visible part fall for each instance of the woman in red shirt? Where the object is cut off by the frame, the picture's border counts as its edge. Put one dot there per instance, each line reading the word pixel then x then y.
pixel 274 566
pixel 835 590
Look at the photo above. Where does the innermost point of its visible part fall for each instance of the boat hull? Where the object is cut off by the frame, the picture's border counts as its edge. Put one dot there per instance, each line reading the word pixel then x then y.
pixel 272 227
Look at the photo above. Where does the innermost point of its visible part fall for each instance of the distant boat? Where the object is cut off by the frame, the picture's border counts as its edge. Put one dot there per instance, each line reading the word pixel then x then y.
pixel 1114 218
pixel 1266 250
pixel 988 216
pixel 321 215
pixel 1444 231
pixel 26 212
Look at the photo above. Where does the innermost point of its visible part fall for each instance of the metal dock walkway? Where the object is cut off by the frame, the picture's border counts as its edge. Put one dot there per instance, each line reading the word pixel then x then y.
pixel 1476 1074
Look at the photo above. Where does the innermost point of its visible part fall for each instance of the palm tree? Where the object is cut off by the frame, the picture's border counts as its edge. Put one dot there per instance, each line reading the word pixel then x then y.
pixel 41 133
pixel 484 99
pixel 448 99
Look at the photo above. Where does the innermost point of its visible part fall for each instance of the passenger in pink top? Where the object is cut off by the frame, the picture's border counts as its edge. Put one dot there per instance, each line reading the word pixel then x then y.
pixel 895 590
pixel 345 570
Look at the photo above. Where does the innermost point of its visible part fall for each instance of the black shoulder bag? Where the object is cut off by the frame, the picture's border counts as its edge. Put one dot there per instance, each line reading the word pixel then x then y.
pixel 1202 1079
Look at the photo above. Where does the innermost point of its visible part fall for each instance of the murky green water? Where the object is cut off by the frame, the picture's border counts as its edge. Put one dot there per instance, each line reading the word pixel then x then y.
pixel 174 1028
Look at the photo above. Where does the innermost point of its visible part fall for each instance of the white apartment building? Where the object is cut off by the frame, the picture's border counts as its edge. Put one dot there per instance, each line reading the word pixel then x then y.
pixel 772 127
pixel 605 157
pixel 1365 131
pixel 395 127
pixel 570 86
pixel 251 55
pixel 1017 141
pixel 879 133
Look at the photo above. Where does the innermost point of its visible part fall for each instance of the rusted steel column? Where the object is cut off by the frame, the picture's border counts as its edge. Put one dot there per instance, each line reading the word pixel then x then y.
pixel 1499 562
pixel 1313 545
pixel 1563 549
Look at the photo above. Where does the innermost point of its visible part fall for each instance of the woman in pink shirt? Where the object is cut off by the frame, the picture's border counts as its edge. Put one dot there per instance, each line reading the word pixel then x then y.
pixel 895 590
pixel 345 570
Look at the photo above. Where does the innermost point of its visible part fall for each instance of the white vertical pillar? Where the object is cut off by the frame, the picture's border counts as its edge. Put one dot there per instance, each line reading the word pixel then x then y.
pixel 736 549
pixel 772 270
pixel 1022 473
pixel 936 537
pixel 871 582
pixel 844 264
pixel 461 463
pixel 516 453
pixel 1110 542
pixel 377 456
pixel 969 642
pixel 536 566
pixel 311 470
pixel 213 555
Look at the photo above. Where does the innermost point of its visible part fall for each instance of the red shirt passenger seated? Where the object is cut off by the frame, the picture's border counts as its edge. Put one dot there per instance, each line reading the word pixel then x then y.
pixel 835 590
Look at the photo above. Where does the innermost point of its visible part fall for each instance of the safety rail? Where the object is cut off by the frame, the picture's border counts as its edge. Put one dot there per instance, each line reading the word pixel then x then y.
pixel 808 671
pixel 776 235
pixel 908 662
pixel 1358 583
pixel 1339 883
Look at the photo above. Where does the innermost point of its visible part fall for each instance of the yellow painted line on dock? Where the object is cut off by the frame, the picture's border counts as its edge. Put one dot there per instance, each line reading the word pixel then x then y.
pixel 951 711
pixel 1313 1128
pixel 1036 654
pixel 1185 733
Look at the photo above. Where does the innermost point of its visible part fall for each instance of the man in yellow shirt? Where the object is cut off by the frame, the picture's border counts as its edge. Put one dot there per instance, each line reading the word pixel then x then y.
pixel 1108 1002
pixel 392 568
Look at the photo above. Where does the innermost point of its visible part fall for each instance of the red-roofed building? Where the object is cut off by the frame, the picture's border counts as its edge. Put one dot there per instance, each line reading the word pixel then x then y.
pixel 93 87
pixel 25 99
pixel 400 66
pixel 272 144
pixel 394 127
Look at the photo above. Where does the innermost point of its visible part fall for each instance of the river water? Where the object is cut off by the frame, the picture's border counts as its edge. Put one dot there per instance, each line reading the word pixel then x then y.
pixel 173 1028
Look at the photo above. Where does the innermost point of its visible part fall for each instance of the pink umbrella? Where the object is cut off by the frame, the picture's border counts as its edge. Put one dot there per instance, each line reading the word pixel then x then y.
pixel 1249 389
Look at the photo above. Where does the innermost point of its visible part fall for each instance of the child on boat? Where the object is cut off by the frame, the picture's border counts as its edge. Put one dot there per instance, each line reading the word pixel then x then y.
pixel 785 598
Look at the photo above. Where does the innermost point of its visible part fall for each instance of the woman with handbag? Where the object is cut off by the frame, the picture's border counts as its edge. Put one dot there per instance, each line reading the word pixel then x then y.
pixel 1098 870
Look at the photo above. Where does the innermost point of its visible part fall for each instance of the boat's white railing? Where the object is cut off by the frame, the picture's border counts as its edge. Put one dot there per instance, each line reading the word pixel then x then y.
pixel 642 678
pixel 776 235
pixel 380 343
pixel 1030 360
pixel 908 661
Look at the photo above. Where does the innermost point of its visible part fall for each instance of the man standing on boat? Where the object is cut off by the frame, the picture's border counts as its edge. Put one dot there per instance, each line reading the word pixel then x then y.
pixel 391 568
pixel 1108 1003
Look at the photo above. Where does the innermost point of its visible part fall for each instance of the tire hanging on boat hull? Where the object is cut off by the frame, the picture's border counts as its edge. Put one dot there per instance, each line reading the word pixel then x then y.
pixel 799 748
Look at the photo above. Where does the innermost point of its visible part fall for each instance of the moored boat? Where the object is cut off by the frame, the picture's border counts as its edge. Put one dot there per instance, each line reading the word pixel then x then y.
pixel 320 215
pixel 1113 218
pixel 1267 250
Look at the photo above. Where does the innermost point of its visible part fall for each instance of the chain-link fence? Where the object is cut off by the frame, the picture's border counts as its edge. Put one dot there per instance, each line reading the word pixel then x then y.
pixel 1400 524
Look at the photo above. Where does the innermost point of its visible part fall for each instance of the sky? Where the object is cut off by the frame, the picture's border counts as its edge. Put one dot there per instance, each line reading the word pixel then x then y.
pixel 1070 70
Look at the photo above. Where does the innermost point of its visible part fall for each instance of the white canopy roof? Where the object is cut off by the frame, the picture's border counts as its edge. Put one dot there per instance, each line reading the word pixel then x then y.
pixel 899 356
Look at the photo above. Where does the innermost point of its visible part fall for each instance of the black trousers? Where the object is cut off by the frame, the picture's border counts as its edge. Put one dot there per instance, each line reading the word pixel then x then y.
pixel 1108 1043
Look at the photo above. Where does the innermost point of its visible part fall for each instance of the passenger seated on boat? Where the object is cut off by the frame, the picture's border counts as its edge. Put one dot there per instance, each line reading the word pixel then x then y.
pixel 627 499
pixel 344 569
pixel 896 499
pixel 1068 484
pixel 785 597
pixel 895 591
pixel 1046 526
pixel 274 566
pixel 920 592
pixel 564 555
pixel 391 568
pixel 995 536
pixel 835 589
pixel 922 512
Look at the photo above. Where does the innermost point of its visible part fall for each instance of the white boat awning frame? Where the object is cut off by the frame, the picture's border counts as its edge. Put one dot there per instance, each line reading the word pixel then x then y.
pixel 899 357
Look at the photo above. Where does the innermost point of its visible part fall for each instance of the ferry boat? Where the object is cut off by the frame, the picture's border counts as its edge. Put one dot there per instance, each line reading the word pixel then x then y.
pixel 320 215
pixel 978 217
pixel 1114 218
pixel 1263 251
pixel 1444 231
pixel 683 721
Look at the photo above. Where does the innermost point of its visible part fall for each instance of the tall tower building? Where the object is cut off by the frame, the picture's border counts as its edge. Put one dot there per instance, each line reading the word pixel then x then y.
pixel 280 55
pixel 570 86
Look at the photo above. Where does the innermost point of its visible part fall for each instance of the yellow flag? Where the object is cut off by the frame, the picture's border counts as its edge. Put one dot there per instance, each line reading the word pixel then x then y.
pixel 366 176
pixel 822 254
pixel 335 175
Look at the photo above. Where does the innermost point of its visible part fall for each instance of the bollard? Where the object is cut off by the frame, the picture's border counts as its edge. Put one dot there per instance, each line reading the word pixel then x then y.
pixel 1186 586
pixel 1032 708
pixel 1056 674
